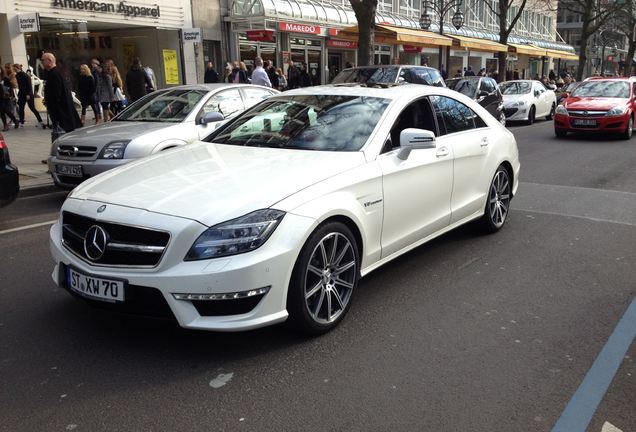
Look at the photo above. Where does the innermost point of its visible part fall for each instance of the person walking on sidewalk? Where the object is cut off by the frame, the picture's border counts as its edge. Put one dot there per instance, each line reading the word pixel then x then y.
pixel 58 98
pixel 86 93
pixel 137 81
pixel 259 75
pixel 211 76
pixel 25 95
pixel 104 92
pixel 6 108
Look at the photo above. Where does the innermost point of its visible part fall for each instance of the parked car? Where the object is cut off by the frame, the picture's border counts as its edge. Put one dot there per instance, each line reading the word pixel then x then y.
pixel 564 91
pixel 599 105
pixel 9 176
pixel 525 100
pixel 279 213
pixel 482 89
pixel 162 120
pixel 390 74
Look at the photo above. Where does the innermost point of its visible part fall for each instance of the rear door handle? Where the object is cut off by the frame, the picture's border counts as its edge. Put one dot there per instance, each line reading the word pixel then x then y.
pixel 442 151
pixel 484 142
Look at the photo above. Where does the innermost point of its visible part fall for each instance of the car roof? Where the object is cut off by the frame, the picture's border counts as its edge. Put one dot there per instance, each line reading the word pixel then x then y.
pixel 389 66
pixel 390 91
pixel 469 77
pixel 212 87
pixel 602 78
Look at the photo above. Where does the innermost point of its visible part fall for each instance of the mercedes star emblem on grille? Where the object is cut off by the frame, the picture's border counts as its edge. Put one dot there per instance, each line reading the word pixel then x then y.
pixel 95 242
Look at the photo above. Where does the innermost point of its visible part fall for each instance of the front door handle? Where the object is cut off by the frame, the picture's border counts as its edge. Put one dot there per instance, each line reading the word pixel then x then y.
pixel 442 151
pixel 484 142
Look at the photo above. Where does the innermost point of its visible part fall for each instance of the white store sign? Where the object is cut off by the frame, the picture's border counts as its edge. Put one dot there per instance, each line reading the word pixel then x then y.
pixel 29 22
pixel 192 35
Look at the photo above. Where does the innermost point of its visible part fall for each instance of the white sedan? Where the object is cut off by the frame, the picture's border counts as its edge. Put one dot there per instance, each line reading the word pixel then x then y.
pixel 286 207
pixel 526 100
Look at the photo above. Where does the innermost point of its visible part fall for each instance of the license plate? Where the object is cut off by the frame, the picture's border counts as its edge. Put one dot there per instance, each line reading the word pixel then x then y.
pixel 95 287
pixel 69 170
pixel 584 122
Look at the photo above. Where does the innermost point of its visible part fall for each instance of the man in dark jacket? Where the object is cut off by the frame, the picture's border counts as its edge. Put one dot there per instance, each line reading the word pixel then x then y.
pixel 137 81
pixel 25 95
pixel 58 98
pixel 211 76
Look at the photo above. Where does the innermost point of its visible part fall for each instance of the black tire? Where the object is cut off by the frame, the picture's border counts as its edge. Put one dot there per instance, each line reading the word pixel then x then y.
pixel 531 115
pixel 627 134
pixel 502 118
pixel 551 115
pixel 324 279
pixel 560 133
pixel 497 201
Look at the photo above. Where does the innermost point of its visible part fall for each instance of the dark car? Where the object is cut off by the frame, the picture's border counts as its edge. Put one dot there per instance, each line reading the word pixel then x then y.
pixel 564 91
pixel 390 74
pixel 9 184
pixel 484 90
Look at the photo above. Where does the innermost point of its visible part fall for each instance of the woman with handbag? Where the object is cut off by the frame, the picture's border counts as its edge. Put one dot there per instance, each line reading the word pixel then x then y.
pixel 6 108
pixel 104 92
pixel 117 104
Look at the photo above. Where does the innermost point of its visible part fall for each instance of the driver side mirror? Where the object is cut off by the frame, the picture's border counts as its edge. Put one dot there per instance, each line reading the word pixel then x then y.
pixel 211 117
pixel 415 139
pixel 482 94
pixel 536 93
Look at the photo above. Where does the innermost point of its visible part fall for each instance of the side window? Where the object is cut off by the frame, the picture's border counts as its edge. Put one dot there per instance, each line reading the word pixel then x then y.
pixel 418 114
pixel 254 96
pixel 634 89
pixel 426 76
pixel 455 116
pixel 227 103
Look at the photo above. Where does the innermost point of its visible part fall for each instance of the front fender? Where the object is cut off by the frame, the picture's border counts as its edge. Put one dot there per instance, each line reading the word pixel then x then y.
pixel 167 144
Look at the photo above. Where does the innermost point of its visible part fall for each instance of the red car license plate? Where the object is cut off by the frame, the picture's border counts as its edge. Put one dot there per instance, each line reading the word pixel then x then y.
pixel 584 122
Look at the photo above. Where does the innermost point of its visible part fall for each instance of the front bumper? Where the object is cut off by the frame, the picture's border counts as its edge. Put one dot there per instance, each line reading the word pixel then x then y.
pixel 612 124
pixel 516 113
pixel 269 266
pixel 89 168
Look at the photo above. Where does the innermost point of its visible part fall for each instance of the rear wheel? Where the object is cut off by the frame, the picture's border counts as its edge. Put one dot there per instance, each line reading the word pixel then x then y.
pixel 531 115
pixel 498 202
pixel 502 118
pixel 551 115
pixel 560 133
pixel 324 279
pixel 629 130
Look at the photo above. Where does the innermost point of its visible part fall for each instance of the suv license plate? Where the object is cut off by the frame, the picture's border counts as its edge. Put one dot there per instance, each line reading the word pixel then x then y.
pixel 94 287
pixel 69 170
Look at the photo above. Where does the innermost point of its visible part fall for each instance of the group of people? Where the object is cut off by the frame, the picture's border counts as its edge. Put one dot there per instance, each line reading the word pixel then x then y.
pixel 265 73
pixel 16 92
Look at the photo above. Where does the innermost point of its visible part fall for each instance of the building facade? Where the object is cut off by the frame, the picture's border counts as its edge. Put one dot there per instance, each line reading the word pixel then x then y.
pixel 78 30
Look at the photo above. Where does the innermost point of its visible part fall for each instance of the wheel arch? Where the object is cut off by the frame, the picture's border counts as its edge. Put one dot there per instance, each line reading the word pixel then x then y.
pixel 508 167
pixel 349 223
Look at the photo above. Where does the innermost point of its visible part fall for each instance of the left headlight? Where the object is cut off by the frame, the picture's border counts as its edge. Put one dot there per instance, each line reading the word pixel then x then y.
pixel 616 111
pixel 560 109
pixel 240 235
pixel 114 150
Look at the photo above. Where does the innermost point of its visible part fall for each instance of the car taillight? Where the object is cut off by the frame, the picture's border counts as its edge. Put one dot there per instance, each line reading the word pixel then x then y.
pixel 3 144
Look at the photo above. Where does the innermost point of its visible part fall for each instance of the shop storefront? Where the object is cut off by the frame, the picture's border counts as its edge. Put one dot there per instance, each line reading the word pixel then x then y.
pixel 78 30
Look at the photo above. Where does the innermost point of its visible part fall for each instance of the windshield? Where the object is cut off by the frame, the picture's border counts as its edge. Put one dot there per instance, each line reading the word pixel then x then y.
pixel 515 87
pixel 467 87
pixel 367 75
pixel 608 89
pixel 171 106
pixel 327 123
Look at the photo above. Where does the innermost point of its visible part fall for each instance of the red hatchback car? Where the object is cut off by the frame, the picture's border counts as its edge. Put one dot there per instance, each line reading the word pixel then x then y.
pixel 598 105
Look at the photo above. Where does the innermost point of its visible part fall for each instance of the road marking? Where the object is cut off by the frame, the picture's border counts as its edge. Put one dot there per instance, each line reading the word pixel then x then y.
pixel 42 195
pixel 22 228
pixel 581 408
pixel 608 427
pixel 576 216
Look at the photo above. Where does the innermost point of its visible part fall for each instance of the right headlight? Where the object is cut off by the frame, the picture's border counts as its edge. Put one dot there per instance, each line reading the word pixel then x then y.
pixel 240 235
pixel 114 150
pixel 560 109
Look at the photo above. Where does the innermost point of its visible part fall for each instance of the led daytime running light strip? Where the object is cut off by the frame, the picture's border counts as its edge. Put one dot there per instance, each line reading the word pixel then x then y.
pixel 223 296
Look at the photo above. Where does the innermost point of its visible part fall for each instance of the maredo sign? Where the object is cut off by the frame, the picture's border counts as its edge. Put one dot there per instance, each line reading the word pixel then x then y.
pixel 299 28
pixel 336 43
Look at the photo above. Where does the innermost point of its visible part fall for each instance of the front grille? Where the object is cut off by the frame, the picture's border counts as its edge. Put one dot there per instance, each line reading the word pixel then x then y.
pixel 510 111
pixel 126 246
pixel 139 300
pixel 587 113
pixel 69 151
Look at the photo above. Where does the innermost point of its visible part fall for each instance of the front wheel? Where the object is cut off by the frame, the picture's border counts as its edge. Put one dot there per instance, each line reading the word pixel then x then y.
pixel 502 118
pixel 551 115
pixel 324 279
pixel 498 202
pixel 531 115
pixel 629 130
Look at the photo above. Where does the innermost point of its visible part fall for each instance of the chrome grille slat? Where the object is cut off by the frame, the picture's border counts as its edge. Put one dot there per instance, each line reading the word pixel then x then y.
pixel 76 151
pixel 583 113
pixel 129 247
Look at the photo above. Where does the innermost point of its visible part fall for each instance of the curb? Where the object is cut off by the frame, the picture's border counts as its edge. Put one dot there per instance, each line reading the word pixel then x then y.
pixel 41 189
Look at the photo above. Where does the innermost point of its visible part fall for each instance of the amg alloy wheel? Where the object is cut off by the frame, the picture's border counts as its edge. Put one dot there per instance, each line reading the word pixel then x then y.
pixel 498 202
pixel 324 279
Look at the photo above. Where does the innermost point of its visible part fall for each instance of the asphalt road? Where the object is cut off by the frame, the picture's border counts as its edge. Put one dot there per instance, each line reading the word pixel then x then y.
pixel 467 333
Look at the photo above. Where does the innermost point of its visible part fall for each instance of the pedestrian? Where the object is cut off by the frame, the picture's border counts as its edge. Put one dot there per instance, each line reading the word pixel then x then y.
pixel 227 73
pixel 458 74
pixel 137 81
pixel 239 74
pixel 443 73
pixel 119 98
pixel 25 95
pixel 259 75
pixel 104 91
pixel 86 92
pixel 551 75
pixel 282 81
pixel 469 72
pixel 7 94
pixel 211 76
pixel 305 80
pixel 58 98
pixel 152 84
pixel 293 77
pixel 272 75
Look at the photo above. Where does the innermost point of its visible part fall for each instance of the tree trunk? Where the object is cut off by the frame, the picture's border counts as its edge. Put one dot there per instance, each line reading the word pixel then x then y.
pixel 585 35
pixel 365 14
pixel 629 58
pixel 502 59
pixel 503 39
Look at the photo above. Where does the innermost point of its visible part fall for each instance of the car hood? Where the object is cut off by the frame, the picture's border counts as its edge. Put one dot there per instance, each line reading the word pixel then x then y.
pixel 508 99
pixel 111 131
pixel 593 104
pixel 212 183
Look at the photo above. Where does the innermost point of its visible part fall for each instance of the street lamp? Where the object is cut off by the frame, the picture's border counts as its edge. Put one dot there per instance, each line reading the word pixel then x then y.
pixel 441 8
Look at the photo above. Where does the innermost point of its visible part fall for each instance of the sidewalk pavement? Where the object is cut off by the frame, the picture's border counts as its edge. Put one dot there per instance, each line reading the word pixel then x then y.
pixel 28 146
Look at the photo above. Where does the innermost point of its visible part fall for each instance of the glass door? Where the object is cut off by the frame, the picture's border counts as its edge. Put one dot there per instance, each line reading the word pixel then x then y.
pixel 314 60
